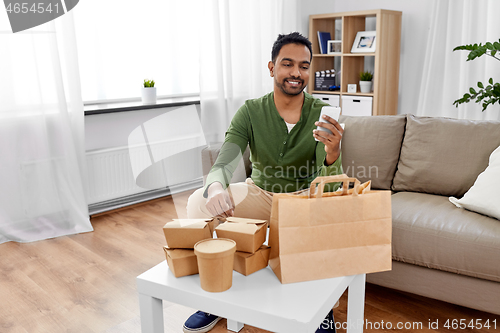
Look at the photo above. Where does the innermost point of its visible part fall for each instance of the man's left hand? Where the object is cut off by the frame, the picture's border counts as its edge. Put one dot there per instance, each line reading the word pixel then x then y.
pixel 331 141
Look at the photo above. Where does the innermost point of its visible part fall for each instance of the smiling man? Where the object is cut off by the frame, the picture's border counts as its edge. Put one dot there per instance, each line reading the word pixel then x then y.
pixel 280 129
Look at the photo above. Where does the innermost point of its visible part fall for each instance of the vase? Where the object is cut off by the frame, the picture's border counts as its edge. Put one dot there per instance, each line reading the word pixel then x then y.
pixel 149 95
pixel 365 86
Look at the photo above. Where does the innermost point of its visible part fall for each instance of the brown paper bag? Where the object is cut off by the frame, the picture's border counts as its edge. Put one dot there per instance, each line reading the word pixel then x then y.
pixel 316 237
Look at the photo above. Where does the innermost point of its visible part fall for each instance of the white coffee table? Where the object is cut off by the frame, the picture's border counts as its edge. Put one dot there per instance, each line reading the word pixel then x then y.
pixel 259 300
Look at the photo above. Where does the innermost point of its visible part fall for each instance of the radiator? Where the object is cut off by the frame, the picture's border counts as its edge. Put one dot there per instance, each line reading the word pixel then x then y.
pixel 110 174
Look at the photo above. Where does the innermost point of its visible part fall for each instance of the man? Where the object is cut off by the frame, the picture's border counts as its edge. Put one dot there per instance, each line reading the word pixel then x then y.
pixel 287 151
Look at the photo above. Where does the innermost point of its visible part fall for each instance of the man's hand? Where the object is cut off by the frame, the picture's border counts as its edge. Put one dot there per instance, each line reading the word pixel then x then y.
pixel 218 201
pixel 331 141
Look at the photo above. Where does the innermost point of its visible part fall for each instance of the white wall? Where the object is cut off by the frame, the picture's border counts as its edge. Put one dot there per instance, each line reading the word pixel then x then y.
pixel 415 27
pixel 111 130
pixel 109 165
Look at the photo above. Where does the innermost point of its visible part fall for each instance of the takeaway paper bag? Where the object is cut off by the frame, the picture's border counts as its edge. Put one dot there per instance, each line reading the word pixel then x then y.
pixel 316 237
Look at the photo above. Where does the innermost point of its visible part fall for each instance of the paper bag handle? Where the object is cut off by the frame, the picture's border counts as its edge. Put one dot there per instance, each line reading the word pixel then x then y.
pixel 333 179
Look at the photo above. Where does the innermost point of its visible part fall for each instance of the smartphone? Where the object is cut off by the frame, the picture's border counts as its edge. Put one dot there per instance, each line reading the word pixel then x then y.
pixel 332 111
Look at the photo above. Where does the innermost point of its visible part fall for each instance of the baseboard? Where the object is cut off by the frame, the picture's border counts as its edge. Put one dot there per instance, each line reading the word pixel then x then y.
pixel 109 205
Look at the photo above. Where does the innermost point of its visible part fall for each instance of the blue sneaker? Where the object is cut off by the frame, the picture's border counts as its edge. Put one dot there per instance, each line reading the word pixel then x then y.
pixel 200 322
pixel 327 325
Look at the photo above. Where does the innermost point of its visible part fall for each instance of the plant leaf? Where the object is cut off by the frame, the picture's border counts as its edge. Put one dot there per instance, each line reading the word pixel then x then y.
pixel 480 85
pixel 461 47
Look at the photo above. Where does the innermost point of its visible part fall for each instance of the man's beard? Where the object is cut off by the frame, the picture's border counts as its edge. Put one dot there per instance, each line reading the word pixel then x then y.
pixel 290 91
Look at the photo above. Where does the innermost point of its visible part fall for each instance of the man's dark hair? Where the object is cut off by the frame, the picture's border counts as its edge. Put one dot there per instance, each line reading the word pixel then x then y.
pixel 291 38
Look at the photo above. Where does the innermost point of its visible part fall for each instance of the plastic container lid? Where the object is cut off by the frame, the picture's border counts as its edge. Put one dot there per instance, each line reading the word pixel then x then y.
pixel 215 248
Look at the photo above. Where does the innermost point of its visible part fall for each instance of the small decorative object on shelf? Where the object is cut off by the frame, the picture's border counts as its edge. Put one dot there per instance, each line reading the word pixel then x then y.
pixel 325 80
pixel 364 42
pixel 365 82
pixel 323 38
pixel 352 88
pixel 149 92
pixel 334 47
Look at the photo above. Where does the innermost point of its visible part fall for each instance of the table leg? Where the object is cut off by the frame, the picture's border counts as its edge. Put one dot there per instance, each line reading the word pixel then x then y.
pixel 356 304
pixel 151 314
pixel 234 325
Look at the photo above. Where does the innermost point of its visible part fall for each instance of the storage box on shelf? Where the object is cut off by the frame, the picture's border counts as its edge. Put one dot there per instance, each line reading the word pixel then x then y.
pixel 344 26
pixel 356 105
pixel 333 100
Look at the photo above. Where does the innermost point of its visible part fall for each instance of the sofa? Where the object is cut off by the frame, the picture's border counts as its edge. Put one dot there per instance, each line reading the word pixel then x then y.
pixel 439 250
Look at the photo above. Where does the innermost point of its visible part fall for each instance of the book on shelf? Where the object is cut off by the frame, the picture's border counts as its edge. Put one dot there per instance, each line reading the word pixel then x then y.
pixel 323 38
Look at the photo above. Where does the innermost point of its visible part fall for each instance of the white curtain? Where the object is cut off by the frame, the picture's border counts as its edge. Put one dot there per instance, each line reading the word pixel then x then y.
pixel 447 76
pixel 41 134
pixel 235 48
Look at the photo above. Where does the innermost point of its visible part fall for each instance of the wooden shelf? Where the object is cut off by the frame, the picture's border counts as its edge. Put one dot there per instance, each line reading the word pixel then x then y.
pixel 385 59
pixel 358 54
pixel 328 92
pixel 358 94
pixel 327 55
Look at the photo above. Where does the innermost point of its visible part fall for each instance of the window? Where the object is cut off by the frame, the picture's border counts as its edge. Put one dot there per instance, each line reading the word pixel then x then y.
pixel 121 43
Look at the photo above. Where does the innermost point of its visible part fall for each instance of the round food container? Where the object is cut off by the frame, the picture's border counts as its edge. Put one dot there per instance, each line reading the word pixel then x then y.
pixel 215 263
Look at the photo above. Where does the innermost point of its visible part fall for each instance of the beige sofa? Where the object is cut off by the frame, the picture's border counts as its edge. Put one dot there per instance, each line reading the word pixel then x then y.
pixel 439 251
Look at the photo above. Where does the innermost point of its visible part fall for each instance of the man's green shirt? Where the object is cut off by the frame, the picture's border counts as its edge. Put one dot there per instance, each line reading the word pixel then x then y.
pixel 281 161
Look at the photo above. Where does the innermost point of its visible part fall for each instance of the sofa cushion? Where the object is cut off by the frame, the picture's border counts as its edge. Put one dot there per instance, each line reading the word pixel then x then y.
pixel 371 146
pixel 430 231
pixel 484 196
pixel 444 156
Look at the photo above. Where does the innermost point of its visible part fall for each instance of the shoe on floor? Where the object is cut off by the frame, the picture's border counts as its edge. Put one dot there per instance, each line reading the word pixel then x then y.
pixel 200 322
pixel 327 325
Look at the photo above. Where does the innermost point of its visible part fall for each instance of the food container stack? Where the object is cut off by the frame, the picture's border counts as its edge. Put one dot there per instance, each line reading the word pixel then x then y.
pixel 181 236
pixel 249 234
pixel 191 249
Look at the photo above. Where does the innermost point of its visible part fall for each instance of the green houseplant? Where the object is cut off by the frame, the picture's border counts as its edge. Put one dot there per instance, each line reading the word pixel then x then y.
pixel 149 83
pixel 365 82
pixel 489 94
pixel 365 76
pixel 149 92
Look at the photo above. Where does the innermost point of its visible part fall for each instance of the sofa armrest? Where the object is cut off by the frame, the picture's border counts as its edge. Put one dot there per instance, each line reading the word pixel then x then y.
pixel 209 155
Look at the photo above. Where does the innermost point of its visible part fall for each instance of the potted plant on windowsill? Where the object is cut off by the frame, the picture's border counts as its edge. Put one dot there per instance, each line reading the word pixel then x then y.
pixel 149 92
pixel 365 82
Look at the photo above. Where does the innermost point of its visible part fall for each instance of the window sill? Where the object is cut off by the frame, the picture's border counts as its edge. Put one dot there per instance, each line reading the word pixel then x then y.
pixel 136 105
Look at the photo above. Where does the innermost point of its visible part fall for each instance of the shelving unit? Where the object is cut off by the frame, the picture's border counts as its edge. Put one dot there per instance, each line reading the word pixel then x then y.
pixel 385 59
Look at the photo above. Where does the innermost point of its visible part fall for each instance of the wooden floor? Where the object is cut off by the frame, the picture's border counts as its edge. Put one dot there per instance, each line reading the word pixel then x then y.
pixel 86 282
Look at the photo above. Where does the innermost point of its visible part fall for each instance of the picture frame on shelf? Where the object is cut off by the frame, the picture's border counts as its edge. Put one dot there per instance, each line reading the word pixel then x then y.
pixel 334 47
pixel 365 42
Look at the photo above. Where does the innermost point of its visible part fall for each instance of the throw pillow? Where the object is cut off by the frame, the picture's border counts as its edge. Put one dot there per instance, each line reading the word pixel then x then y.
pixel 484 196
pixel 370 148
pixel 444 156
